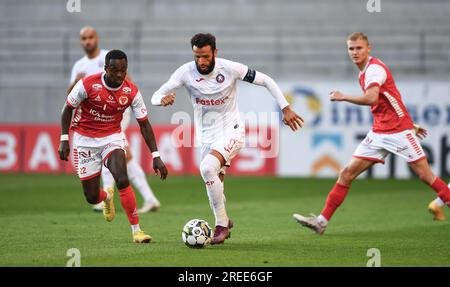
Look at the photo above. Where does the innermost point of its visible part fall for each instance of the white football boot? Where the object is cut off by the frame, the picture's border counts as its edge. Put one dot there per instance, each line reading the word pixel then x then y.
pixel 98 207
pixel 149 206
pixel 311 222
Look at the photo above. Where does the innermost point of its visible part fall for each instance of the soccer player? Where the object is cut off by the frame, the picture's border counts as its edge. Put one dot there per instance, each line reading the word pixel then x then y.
pixel 211 83
pixel 393 132
pixel 93 62
pixel 99 101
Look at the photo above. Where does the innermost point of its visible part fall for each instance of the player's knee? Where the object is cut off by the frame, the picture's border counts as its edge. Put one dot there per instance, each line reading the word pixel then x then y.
pixel 122 181
pixel 206 170
pixel 209 167
pixel 346 175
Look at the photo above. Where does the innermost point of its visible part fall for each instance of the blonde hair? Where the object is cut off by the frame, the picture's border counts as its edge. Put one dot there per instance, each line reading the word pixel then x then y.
pixel 358 36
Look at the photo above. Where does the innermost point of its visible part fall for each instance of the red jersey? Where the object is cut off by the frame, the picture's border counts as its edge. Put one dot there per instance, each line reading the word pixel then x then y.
pixel 389 113
pixel 99 108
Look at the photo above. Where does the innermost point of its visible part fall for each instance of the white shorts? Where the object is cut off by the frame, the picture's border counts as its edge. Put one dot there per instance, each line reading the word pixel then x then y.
pixel 228 146
pixel 376 147
pixel 88 160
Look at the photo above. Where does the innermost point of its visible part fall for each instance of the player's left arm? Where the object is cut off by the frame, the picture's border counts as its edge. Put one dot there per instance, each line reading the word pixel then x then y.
pixel 140 112
pixel 149 137
pixel 290 118
pixel 421 132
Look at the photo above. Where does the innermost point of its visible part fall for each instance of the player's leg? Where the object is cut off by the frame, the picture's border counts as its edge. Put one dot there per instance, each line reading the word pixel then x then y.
pixel 88 164
pixel 342 186
pixel 215 158
pixel 108 184
pixel 222 174
pixel 368 153
pixel 117 165
pixel 92 191
pixel 424 172
pixel 107 179
pixel 336 196
pixel 436 208
pixel 406 145
pixel 139 181
pixel 210 168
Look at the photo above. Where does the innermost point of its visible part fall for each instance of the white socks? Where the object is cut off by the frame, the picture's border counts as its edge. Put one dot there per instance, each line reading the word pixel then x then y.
pixel 139 181
pixel 439 202
pixel 322 220
pixel 135 228
pixel 107 178
pixel 209 169
pixel 108 196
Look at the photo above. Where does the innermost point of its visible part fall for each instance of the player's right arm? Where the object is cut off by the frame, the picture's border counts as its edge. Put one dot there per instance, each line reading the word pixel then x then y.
pixel 375 77
pixel 75 97
pixel 165 96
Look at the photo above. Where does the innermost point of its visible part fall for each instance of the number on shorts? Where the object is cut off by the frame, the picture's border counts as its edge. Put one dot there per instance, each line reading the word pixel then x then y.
pixel 83 170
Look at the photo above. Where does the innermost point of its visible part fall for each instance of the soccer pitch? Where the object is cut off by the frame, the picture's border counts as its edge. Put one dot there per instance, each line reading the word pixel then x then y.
pixel 42 216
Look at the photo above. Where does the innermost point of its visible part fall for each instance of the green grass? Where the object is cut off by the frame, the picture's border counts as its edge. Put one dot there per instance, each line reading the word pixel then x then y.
pixel 42 216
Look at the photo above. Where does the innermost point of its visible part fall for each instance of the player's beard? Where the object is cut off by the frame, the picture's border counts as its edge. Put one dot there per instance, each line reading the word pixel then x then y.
pixel 210 67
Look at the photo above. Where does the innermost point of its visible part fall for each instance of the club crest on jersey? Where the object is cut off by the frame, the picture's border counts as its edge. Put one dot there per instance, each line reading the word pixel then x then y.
pixel 98 99
pixel 97 87
pixel 123 100
pixel 126 90
pixel 220 78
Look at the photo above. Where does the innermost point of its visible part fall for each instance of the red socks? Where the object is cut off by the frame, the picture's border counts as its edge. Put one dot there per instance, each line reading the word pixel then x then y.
pixel 101 196
pixel 334 199
pixel 442 189
pixel 128 201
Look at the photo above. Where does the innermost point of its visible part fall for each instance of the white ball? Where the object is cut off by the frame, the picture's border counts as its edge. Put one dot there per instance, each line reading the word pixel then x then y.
pixel 196 233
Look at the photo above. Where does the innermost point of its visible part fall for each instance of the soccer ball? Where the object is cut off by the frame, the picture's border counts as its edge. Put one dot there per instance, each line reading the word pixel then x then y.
pixel 196 233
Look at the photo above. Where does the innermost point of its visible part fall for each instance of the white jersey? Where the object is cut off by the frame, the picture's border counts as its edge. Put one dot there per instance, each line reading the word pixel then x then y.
pixel 92 66
pixel 213 96
pixel 89 66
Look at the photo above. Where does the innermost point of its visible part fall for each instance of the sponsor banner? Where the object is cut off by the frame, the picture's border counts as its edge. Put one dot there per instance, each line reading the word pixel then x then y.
pixel 34 149
pixel 177 158
pixel 41 149
pixel 333 130
pixel 10 144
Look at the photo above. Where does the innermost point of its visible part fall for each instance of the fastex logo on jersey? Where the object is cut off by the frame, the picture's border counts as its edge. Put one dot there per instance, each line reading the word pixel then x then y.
pixel 97 87
pixel 211 102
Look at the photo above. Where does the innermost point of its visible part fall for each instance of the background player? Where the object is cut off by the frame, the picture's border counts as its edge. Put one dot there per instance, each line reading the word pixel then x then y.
pixel 392 132
pixel 100 101
pixel 211 83
pixel 93 62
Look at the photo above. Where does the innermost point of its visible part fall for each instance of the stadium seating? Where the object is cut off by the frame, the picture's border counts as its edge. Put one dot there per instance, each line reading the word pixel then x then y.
pixel 290 39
